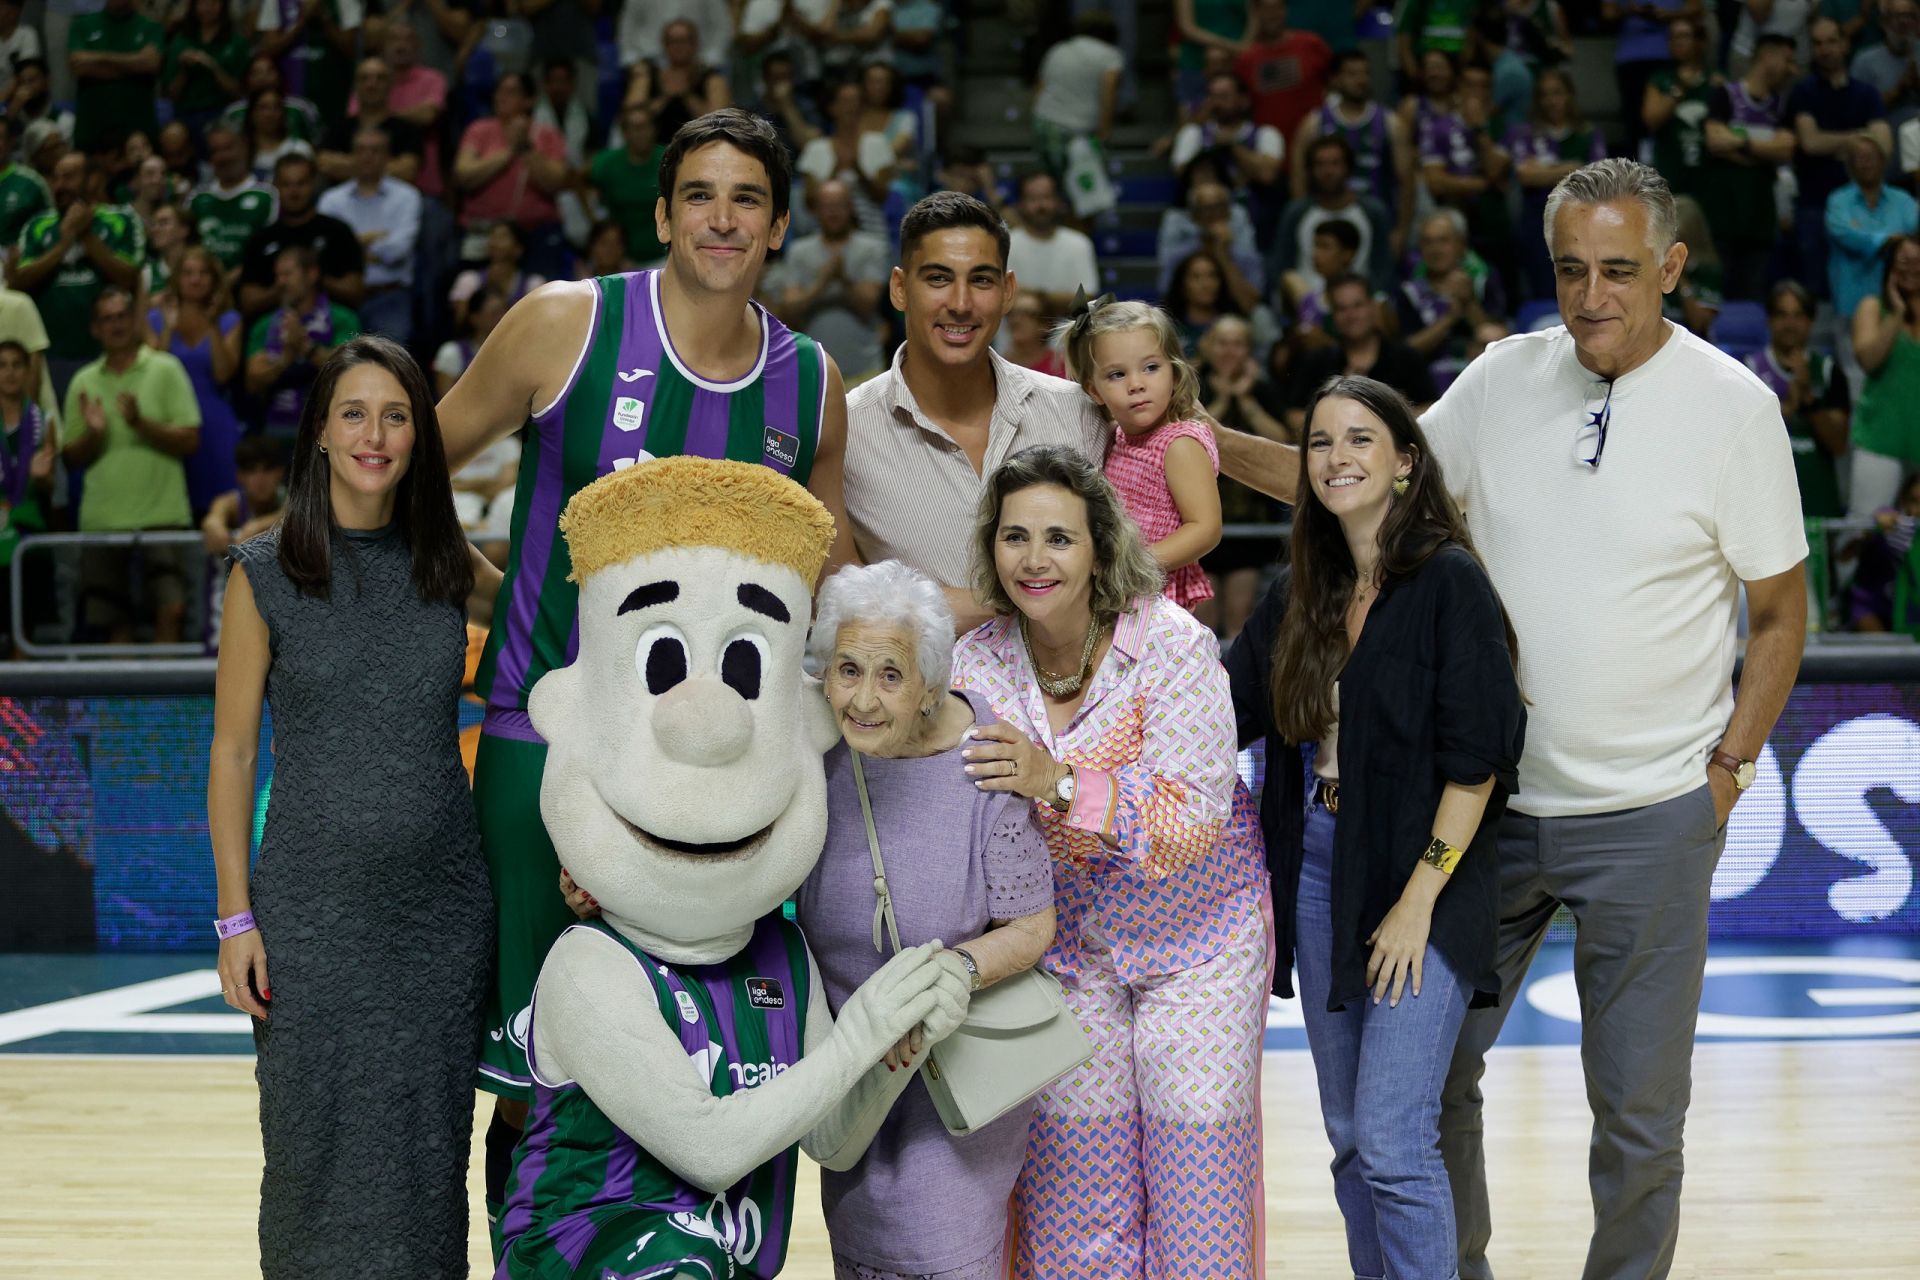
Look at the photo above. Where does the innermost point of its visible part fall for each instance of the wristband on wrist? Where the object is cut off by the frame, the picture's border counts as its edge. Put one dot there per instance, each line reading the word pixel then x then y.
pixel 229 926
pixel 1442 856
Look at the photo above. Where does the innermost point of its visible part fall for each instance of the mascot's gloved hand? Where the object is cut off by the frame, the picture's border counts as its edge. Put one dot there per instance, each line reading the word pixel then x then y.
pixel 943 990
pixel 955 991
pixel 903 994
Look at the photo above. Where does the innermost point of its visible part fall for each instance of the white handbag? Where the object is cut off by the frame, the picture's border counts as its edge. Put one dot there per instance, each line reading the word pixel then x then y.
pixel 1019 1036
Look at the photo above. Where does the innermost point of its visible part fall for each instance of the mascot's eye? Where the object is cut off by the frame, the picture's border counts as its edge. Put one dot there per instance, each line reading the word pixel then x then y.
pixel 661 657
pixel 741 664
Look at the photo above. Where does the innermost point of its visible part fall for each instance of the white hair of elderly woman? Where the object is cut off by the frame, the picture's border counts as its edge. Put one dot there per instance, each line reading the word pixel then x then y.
pixel 886 594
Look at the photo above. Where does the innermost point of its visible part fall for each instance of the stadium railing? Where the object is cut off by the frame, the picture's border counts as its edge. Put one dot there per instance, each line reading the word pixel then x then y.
pixel 49 544
pixel 1830 654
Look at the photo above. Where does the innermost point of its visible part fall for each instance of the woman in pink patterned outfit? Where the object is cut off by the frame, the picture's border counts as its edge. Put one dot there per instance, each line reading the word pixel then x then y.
pixel 1117 721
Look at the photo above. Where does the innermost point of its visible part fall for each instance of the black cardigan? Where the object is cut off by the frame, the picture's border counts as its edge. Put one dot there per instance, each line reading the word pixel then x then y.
pixel 1428 697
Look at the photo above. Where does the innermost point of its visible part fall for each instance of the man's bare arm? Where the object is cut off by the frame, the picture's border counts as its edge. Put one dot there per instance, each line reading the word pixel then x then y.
pixel 523 365
pixel 1776 637
pixel 1267 465
pixel 827 479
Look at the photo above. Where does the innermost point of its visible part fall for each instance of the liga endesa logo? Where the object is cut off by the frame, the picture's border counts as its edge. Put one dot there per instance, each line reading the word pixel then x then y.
pixel 1851 793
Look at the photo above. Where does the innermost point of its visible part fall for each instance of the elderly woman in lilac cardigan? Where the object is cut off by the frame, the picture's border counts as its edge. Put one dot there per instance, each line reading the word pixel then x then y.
pixel 964 866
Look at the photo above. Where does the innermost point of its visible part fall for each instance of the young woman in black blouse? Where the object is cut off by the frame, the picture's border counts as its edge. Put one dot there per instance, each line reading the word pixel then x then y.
pixel 1380 671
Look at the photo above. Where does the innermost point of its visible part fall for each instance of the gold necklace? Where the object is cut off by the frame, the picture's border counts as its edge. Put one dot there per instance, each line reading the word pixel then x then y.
pixel 1060 686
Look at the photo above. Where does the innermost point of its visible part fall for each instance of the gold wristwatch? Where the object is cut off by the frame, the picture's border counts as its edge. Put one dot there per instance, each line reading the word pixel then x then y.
pixel 1742 770
pixel 1062 797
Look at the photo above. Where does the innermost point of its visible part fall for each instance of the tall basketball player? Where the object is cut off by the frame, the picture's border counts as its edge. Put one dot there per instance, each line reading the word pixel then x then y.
pixel 604 373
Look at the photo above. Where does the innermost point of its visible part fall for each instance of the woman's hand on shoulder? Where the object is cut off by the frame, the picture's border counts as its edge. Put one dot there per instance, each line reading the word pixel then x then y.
pixel 1005 759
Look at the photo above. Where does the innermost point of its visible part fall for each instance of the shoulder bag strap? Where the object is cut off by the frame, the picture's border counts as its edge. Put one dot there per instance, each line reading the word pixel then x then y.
pixel 883 909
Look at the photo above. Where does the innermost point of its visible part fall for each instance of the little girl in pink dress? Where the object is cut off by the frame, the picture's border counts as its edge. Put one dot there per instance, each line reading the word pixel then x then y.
pixel 1127 356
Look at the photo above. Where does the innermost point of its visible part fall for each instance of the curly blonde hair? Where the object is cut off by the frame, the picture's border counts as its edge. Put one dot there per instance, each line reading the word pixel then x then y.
pixel 1078 335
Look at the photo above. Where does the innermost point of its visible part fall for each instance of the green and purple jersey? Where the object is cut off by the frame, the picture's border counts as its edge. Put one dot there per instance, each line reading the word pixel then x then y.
pixel 585 1199
pixel 631 398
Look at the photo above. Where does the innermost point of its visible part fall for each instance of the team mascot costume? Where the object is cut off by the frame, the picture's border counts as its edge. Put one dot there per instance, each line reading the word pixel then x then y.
pixel 680 1044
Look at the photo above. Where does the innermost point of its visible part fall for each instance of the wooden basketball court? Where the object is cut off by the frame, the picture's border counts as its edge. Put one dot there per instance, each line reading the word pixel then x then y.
pixel 1803 1160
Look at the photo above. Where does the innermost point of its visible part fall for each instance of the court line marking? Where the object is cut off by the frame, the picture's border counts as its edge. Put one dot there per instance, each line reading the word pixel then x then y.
pixel 41 1058
pixel 118 1009
pixel 1855 997
pixel 1557 996
pixel 132 1009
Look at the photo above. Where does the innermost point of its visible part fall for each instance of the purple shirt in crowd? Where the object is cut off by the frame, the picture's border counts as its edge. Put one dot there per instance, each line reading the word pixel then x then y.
pixel 1445 137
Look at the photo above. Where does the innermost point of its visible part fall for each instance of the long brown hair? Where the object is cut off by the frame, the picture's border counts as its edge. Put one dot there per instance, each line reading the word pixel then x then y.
pixel 423 504
pixel 1312 646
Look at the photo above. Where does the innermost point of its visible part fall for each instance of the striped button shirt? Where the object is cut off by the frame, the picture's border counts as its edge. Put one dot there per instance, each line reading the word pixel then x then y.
pixel 911 490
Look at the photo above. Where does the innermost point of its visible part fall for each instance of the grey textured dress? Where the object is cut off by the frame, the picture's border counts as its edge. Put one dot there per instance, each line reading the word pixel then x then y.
pixel 373 904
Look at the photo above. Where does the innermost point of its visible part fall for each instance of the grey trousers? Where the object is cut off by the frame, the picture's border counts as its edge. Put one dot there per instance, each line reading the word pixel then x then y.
pixel 1638 882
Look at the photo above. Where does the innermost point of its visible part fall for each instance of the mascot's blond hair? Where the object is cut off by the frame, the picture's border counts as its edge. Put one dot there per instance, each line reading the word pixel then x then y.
pixel 664 503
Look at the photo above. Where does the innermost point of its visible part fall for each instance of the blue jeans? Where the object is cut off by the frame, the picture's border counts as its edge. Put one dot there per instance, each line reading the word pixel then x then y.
pixel 1380 1069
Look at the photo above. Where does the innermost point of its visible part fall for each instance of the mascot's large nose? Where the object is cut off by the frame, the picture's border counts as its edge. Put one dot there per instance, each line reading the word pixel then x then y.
pixel 702 722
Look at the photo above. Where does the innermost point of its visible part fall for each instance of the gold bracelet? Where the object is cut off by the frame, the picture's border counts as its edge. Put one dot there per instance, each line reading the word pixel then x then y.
pixel 1442 856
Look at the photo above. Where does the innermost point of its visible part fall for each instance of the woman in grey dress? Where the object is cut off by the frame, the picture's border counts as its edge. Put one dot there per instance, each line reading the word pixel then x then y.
pixel 963 865
pixel 369 898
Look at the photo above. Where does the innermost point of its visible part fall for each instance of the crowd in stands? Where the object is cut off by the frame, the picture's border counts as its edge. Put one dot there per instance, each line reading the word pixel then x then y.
pixel 202 198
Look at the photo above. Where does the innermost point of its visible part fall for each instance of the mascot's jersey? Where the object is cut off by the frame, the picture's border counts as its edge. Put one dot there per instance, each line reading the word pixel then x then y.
pixel 582 1192
pixel 630 398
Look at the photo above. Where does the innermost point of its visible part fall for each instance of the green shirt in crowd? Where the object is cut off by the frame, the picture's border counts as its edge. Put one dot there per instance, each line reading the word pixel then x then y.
pixel 303 119
pixel 630 191
pixel 226 218
pixel 1224 18
pixel 66 301
pixel 20 442
pixel 1435 24
pixel 23 193
pixel 1680 147
pixel 133 485
pixel 1883 421
pixel 106 111
pixel 201 90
